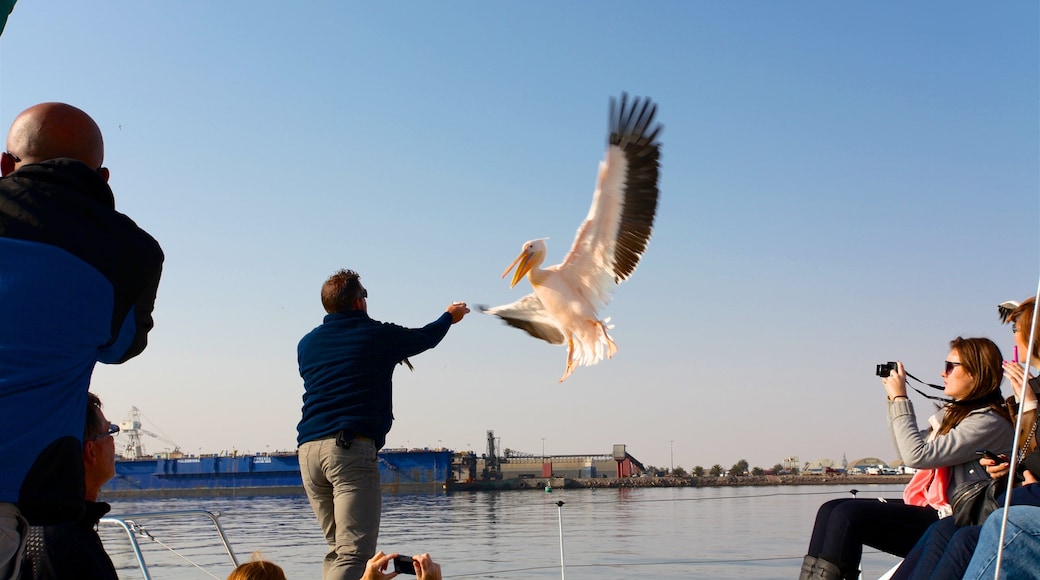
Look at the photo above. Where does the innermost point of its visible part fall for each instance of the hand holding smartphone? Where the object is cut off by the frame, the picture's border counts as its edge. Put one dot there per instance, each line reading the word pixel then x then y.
pixel 990 455
pixel 404 565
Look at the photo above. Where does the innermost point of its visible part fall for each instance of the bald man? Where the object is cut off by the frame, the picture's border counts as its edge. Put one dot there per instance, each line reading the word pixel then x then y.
pixel 77 286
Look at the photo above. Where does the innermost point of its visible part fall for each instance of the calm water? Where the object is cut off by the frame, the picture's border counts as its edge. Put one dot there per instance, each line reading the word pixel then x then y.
pixel 663 533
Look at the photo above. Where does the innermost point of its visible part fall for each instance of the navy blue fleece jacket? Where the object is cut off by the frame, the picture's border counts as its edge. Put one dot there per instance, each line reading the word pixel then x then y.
pixel 347 364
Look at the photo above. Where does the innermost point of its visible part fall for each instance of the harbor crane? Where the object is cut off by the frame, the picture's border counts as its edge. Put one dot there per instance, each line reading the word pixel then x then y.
pixel 134 448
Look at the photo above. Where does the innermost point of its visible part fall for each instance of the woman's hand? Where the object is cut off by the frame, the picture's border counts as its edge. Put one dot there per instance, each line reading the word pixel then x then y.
pixel 376 567
pixel 996 470
pixel 426 568
pixel 895 382
pixel 1013 373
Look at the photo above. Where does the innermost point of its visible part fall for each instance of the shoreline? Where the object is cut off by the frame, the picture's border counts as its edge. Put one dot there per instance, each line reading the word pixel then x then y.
pixel 526 484
pixel 635 482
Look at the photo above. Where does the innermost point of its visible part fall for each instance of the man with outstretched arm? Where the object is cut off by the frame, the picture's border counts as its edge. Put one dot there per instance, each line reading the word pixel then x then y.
pixel 347 364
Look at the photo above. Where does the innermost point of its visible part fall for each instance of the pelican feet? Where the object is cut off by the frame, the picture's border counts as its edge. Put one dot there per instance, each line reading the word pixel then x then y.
pixel 571 364
pixel 611 345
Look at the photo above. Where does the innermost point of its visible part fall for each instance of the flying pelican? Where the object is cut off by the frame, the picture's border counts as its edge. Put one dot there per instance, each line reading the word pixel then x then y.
pixel 567 297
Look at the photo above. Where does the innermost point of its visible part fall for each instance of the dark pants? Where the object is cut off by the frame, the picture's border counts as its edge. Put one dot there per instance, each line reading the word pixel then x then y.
pixel 942 552
pixel 844 526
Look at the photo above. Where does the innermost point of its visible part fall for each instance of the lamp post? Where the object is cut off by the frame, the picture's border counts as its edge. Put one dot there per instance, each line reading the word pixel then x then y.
pixel 543 449
pixel 671 457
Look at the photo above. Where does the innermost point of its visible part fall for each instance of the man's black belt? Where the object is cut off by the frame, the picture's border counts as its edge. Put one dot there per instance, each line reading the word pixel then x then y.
pixel 345 437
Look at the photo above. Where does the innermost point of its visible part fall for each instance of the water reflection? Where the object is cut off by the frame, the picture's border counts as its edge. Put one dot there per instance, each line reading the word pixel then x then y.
pixel 668 533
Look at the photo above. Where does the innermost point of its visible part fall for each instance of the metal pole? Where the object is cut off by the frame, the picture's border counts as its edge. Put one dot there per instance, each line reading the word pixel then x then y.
pixel 563 565
pixel 671 457
pixel 1015 443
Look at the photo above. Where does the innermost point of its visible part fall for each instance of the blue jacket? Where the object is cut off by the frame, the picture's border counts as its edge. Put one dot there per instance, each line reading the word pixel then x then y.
pixel 77 285
pixel 347 364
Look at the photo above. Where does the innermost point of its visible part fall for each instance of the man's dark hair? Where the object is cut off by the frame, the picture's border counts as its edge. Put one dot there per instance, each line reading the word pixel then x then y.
pixel 341 291
pixel 96 424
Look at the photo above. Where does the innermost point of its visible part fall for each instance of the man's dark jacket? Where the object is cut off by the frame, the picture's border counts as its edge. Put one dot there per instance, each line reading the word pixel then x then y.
pixel 71 550
pixel 347 364
pixel 77 285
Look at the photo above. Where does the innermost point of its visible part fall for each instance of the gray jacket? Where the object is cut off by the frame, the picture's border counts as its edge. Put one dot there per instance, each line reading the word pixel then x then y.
pixel 981 429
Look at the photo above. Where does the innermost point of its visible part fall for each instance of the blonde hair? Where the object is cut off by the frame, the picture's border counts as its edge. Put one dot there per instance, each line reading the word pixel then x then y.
pixel 258 569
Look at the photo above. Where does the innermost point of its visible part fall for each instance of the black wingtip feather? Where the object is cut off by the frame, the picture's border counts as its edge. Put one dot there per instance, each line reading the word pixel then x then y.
pixel 632 128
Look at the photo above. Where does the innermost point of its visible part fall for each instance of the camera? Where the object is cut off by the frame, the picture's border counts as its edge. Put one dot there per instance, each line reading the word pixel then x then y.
pixel 404 565
pixel 885 369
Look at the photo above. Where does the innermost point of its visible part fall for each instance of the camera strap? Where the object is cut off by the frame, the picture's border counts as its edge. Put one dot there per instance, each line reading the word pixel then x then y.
pixel 926 395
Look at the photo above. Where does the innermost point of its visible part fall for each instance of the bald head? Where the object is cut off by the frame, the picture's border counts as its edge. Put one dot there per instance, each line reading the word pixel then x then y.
pixel 53 130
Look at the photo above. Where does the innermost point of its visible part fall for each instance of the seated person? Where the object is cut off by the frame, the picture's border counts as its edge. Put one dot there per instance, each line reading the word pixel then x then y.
pixel 944 455
pixel 945 549
pixel 74 550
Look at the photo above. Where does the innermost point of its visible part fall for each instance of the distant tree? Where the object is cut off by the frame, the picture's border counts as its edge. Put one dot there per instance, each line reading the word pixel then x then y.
pixel 739 468
pixel 716 470
pixel 757 471
pixel 698 471
pixel 679 471
pixel 651 469
pixel 778 468
pixel 794 469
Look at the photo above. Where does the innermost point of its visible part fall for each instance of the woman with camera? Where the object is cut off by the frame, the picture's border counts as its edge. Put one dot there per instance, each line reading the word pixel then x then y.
pixel 945 549
pixel 944 455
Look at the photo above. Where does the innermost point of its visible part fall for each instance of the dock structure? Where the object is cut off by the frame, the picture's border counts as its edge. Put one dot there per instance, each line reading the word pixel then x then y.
pixel 496 465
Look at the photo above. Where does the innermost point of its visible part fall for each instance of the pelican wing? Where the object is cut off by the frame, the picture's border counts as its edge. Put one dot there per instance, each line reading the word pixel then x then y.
pixel 614 235
pixel 529 315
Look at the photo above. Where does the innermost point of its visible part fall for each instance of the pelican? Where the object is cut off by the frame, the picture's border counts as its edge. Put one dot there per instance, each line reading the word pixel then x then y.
pixel 564 308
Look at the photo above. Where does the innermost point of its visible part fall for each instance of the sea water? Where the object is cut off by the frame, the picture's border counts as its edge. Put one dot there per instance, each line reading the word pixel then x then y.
pixel 661 533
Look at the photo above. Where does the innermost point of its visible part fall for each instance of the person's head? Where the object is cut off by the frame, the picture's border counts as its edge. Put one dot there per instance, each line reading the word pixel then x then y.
pixel 99 448
pixel 257 570
pixel 51 131
pixel 343 291
pixel 974 370
pixel 1021 319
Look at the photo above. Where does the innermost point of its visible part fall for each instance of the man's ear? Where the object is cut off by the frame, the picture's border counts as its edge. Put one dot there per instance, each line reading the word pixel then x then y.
pixel 103 172
pixel 6 164
pixel 90 452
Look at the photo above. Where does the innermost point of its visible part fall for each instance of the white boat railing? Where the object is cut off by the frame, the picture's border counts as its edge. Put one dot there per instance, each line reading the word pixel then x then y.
pixel 133 529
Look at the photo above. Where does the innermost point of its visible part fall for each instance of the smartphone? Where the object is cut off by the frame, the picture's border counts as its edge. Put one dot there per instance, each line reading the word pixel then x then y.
pixel 404 565
pixel 989 454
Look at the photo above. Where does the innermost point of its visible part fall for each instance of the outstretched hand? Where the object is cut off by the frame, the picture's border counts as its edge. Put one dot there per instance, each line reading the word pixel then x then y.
pixel 457 310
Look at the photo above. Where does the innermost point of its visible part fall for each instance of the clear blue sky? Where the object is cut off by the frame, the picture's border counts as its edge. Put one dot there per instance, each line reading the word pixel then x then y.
pixel 842 184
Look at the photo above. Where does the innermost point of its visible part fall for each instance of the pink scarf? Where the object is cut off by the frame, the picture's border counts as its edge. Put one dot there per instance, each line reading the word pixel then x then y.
pixel 928 488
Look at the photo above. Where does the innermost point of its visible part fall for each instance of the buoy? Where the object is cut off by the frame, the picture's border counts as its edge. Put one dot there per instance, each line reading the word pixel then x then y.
pixel 548 488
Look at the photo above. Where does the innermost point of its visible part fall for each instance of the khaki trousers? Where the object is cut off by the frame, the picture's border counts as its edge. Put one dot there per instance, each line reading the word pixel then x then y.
pixel 342 485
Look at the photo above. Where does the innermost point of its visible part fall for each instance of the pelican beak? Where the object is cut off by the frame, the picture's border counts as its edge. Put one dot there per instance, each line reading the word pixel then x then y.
pixel 524 261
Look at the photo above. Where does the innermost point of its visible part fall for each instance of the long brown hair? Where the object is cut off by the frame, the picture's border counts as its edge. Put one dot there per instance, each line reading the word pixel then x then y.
pixel 982 361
